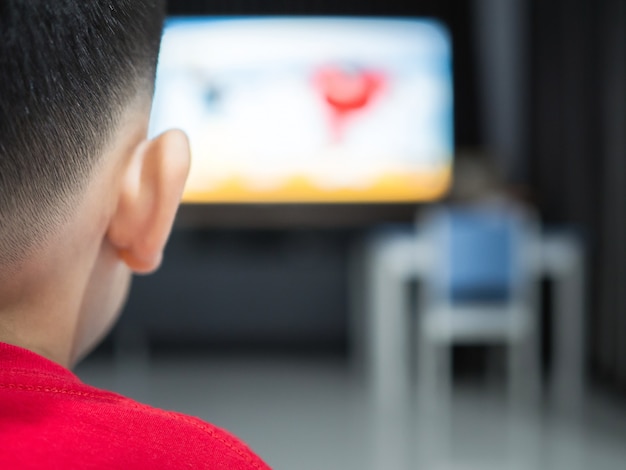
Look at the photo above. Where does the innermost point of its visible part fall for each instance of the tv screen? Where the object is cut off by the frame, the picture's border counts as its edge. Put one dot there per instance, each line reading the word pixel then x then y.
pixel 309 109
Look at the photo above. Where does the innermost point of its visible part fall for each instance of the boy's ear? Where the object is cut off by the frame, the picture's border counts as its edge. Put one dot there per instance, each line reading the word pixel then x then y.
pixel 150 192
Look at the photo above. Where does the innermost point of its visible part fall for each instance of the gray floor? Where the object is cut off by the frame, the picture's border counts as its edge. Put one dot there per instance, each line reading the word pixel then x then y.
pixel 312 414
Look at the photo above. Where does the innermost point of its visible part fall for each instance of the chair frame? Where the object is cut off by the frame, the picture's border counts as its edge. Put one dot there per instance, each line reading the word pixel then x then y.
pixel 442 324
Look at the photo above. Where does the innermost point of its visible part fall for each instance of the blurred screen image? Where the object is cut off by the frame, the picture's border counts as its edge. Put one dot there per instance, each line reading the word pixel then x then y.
pixel 321 110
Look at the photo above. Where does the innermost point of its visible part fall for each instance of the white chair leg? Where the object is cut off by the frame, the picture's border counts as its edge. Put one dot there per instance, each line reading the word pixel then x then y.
pixel 525 438
pixel 434 402
pixel 524 387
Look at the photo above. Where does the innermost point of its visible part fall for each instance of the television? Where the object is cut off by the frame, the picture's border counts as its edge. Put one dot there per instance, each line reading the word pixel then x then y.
pixel 321 110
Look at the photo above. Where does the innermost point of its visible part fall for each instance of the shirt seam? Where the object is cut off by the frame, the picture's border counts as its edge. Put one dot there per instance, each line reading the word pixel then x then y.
pixel 28 372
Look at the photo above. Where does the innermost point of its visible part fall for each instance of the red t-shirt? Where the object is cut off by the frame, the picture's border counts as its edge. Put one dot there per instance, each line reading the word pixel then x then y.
pixel 50 419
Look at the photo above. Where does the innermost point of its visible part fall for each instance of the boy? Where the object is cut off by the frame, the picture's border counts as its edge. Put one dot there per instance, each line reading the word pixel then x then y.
pixel 85 199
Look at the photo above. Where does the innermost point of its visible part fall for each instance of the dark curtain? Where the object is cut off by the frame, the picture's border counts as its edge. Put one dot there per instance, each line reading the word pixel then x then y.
pixel 577 152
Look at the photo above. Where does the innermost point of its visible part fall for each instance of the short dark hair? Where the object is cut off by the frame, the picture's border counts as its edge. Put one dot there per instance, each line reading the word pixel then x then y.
pixel 67 67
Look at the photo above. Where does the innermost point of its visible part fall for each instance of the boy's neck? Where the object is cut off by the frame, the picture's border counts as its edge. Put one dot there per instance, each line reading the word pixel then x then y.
pixel 41 326
pixel 41 313
pixel 40 305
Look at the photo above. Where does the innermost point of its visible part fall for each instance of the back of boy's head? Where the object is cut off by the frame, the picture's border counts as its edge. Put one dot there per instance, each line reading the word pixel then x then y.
pixel 67 69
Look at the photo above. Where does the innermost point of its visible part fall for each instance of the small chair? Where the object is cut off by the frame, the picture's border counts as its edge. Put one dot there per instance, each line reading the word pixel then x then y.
pixel 482 288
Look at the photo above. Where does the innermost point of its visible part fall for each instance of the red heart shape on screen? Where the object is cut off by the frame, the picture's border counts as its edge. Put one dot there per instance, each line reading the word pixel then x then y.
pixel 347 90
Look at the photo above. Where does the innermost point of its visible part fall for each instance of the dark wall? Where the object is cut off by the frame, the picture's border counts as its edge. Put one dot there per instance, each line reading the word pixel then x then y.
pixel 246 289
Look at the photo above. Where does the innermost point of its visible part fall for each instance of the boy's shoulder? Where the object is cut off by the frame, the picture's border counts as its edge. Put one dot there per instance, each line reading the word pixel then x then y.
pixel 168 439
pixel 48 416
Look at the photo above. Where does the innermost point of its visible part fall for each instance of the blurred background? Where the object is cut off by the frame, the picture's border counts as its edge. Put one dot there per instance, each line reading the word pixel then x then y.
pixel 361 334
